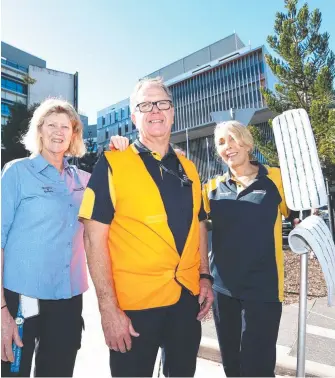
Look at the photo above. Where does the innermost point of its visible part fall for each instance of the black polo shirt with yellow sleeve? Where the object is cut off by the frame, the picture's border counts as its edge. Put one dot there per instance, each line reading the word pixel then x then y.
pixel 247 259
pixel 153 206
pixel 177 198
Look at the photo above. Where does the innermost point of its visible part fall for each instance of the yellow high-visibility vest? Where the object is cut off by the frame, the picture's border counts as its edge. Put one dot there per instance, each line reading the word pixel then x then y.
pixel 147 269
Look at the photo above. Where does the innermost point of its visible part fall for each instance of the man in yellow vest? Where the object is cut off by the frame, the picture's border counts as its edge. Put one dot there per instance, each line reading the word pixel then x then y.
pixel 146 245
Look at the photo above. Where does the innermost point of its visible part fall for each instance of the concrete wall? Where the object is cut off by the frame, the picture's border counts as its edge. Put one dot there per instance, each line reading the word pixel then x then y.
pixel 50 83
pixel 199 58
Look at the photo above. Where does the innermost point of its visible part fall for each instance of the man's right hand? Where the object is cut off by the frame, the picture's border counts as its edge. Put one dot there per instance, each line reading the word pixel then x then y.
pixel 9 332
pixel 118 330
pixel 118 142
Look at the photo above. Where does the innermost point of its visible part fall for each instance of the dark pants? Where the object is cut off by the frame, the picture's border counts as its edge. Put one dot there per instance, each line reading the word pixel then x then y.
pixel 174 328
pixel 54 335
pixel 247 333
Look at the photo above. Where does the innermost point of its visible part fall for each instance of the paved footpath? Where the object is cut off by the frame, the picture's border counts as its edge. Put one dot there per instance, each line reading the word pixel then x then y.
pixel 320 340
pixel 93 357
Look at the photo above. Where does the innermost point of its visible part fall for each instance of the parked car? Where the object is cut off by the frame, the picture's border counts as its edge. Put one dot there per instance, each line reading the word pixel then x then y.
pixel 286 229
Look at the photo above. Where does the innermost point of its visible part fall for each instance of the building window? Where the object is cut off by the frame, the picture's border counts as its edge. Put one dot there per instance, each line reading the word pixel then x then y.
pixel 5 109
pixel 126 128
pixel 13 86
pixel 14 65
pixel 106 134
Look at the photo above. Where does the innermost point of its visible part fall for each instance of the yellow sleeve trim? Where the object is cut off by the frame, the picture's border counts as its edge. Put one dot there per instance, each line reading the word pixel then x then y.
pixel 205 199
pixel 87 205
pixel 111 188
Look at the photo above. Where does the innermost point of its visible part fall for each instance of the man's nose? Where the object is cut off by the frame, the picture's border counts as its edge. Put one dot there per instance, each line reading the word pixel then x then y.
pixel 155 109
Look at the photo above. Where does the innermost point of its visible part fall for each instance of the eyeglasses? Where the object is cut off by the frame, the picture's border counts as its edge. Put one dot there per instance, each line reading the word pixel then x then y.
pixel 146 107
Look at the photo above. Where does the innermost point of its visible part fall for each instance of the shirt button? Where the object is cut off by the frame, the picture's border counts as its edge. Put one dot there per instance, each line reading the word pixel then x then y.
pixel 69 244
pixel 67 266
pixel 71 205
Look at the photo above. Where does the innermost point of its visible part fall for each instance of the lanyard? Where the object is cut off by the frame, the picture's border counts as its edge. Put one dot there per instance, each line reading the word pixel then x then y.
pixel 17 351
pixel 184 180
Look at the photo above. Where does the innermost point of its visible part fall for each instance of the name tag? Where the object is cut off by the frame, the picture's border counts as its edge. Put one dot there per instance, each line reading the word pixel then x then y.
pixel 78 189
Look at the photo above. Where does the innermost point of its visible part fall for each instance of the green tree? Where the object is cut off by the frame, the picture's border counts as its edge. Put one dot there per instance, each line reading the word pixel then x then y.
pixel 306 70
pixel 12 132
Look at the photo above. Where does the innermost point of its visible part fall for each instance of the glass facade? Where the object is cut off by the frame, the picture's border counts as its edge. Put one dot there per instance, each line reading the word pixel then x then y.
pixel 115 121
pixel 232 85
pixel 13 85
pixel 8 63
pixel 5 110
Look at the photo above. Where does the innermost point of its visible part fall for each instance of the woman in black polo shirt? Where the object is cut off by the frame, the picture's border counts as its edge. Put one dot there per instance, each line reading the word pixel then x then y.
pixel 245 206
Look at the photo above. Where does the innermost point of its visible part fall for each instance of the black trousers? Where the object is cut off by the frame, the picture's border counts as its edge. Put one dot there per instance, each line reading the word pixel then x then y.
pixel 247 333
pixel 174 328
pixel 54 335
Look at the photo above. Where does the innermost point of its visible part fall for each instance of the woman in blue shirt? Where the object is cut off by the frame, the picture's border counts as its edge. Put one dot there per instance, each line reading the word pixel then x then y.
pixel 43 259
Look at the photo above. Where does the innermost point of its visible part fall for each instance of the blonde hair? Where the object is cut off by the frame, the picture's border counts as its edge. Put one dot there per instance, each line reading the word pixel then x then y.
pixel 144 83
pixel 237 131
pixel 32 139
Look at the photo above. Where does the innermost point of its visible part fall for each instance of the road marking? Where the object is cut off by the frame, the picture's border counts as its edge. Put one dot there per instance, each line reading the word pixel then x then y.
pixel 320 331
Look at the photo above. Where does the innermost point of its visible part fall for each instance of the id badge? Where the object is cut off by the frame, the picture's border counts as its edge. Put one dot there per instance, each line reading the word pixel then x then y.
pixel 29 306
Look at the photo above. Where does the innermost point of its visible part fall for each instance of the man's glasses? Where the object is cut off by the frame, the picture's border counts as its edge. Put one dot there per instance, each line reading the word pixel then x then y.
pixel 146 107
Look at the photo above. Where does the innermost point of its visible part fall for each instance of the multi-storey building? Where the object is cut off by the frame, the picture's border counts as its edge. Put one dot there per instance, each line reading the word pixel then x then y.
pixel 26 79
pixel 115 120
pixel 217 83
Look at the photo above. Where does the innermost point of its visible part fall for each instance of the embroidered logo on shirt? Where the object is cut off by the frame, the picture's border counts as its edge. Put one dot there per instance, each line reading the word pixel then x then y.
pixel 222 194
pixel 259 191
pixel 48 189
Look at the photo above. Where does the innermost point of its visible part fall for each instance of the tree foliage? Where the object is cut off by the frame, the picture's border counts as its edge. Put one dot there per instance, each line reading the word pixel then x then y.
pixel 12 132
pixel 305 68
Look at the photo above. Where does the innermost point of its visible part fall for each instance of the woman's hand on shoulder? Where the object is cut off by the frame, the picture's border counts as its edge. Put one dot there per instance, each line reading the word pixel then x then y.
pixel 118 142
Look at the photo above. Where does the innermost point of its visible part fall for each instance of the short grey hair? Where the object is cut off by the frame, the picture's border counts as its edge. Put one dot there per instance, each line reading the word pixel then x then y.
pixel 32 139
pixel 147 81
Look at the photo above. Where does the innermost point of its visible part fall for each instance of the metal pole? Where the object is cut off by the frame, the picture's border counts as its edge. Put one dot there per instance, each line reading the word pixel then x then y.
pixel 187 146
pixel 208 166
pixel 330 211
pixel 301 359
pixel 302 315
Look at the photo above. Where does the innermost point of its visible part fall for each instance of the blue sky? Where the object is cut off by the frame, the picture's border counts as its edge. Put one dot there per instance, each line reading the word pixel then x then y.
pixel 112 43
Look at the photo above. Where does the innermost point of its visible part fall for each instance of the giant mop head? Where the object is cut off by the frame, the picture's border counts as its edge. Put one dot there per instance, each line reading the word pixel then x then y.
pixel 302 177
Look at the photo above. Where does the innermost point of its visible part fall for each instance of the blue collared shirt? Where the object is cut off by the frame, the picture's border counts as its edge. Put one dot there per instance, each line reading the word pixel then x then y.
pixel 40 233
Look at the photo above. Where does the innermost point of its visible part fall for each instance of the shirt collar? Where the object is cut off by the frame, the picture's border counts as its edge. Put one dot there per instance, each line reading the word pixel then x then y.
pixel 139 148
pixel 39 163
pixel 262 171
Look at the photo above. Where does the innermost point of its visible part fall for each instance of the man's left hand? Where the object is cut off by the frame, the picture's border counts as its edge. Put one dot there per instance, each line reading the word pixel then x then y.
pixel 206 297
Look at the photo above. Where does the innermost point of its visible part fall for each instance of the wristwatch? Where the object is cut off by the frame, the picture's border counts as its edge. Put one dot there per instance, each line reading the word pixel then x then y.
pixel 208 276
